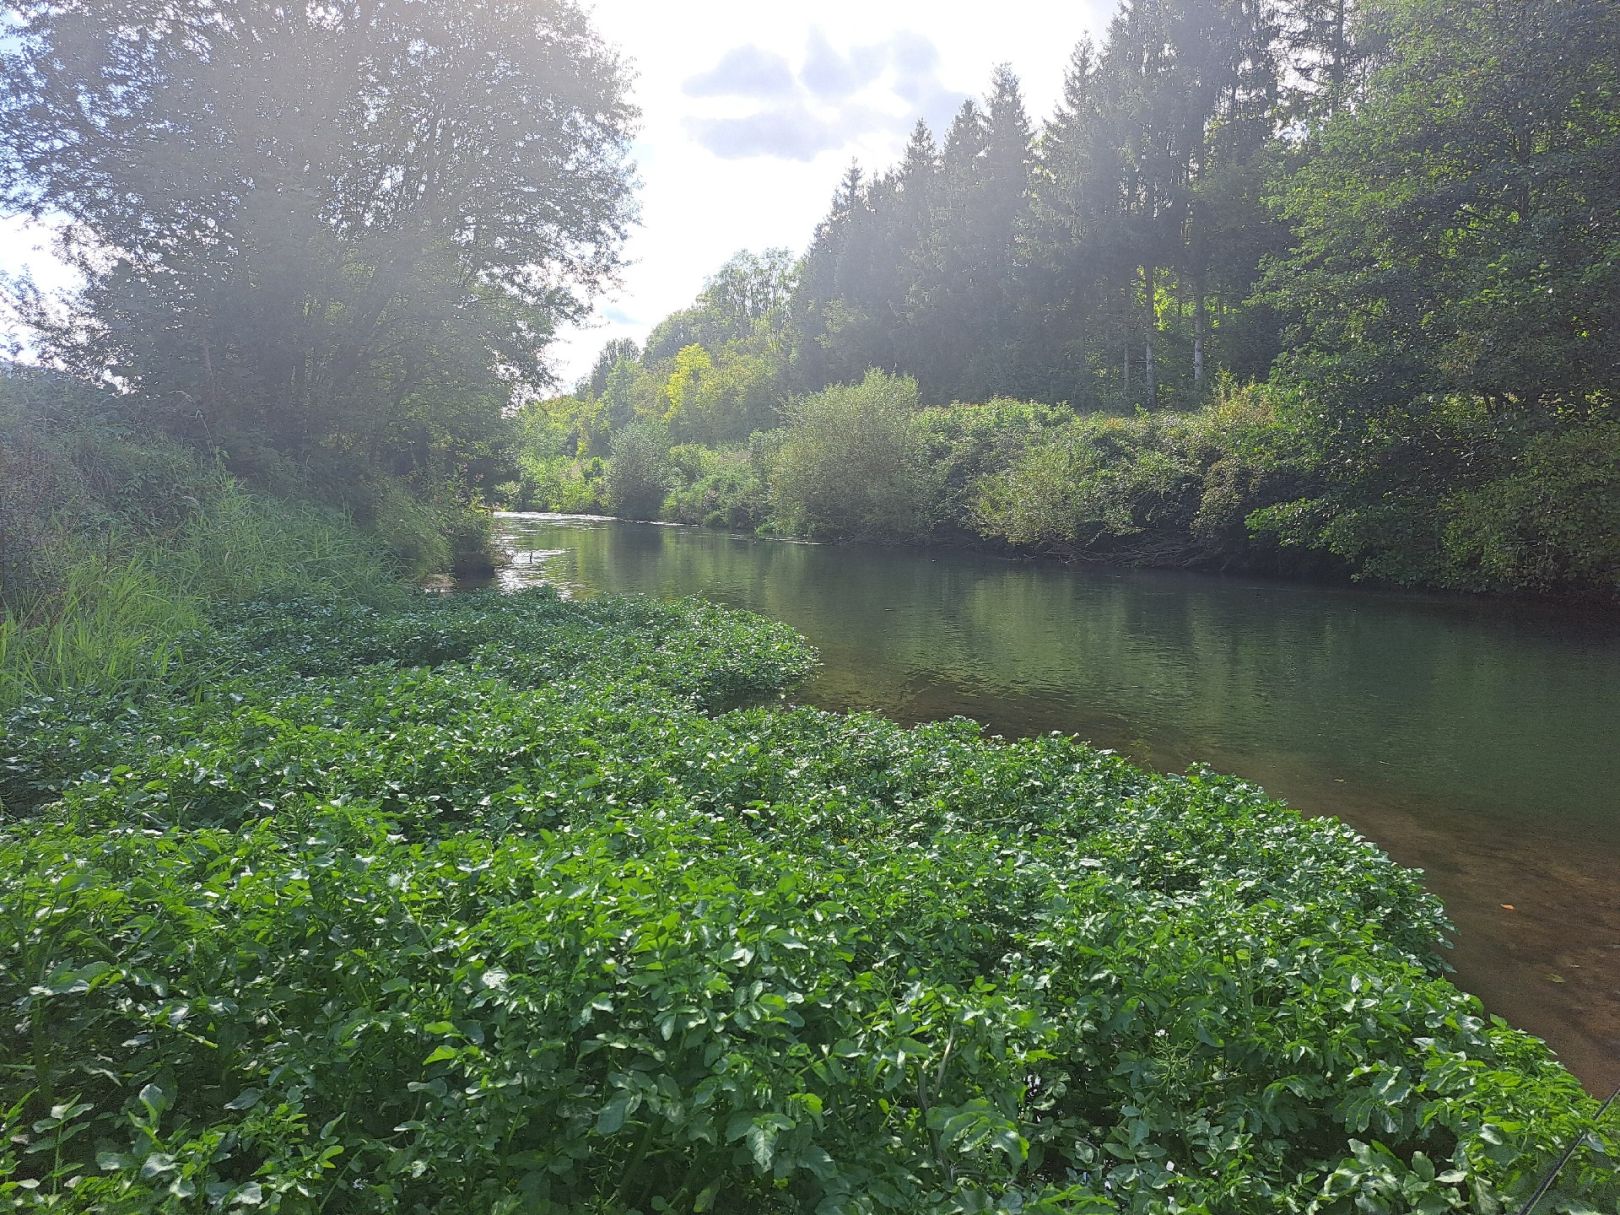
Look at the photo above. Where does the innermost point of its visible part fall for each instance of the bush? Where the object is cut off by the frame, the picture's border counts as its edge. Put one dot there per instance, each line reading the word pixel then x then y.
pixel 972 442
pixel 1551 523
pixel 638 473
pixel 571 485
pixel 1102 486
pixel 716 489
pixel 1153 489
pixel 853 463
pixel 1476 501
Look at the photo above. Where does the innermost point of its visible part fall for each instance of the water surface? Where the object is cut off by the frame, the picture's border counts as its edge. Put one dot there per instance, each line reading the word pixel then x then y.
pixel 1477 741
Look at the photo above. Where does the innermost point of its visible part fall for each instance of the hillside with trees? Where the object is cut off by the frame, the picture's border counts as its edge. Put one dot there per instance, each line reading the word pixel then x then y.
pixel 1319 288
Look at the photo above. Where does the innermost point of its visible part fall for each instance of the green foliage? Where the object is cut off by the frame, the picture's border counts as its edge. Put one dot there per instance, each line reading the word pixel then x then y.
pixel 1452 288
pixel 129 606
pixel 1537 514
pixel 341 270
pixel 971 442
pixel 1155 489
pixel 1463 245
pixel 852 462
pixel 483 904
pixel 1551 523
pixel 684 387
pixel 550 475
pixel 115 545
pixel 638 475
pixel 721 489
pixel 571 486
pixel 1410 198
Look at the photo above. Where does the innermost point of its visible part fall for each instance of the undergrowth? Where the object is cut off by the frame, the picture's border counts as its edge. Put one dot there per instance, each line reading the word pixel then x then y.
pixel 125 605
pixel 497 904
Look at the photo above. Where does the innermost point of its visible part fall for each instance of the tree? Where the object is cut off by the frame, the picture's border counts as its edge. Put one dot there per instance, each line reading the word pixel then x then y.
pixel 828 330
pixel 683 392
pixel 619 350
pixel 316 218
pixel 1004 197
pixel 638 475
pixel 1454 286
pixel 1457 230
pixel 1321 38
pixel 748 288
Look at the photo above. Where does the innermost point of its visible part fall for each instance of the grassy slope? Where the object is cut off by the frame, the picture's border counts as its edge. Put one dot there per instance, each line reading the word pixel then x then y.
pixel 482 904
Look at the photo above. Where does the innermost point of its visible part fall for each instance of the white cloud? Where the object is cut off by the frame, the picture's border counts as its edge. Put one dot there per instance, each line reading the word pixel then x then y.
pixel 724 171
pixel 744 71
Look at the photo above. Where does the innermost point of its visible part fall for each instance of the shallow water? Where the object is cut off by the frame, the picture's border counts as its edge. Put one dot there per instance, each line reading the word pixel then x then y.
pixel 1477 741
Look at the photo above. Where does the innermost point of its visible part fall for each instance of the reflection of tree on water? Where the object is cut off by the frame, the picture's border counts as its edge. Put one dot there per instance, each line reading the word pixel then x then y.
pixel 1413 695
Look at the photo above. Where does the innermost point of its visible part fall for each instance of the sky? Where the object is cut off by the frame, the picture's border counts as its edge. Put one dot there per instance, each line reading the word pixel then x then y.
pixel 751 112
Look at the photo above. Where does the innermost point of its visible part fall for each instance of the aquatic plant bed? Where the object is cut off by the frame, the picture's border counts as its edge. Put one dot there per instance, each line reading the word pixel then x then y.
pixel 497 904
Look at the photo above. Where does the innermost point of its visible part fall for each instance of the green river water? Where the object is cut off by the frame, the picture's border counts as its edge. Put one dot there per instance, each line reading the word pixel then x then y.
pixel 1477 741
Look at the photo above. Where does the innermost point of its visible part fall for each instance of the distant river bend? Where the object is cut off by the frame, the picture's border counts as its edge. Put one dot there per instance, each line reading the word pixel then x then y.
pixel 1477 741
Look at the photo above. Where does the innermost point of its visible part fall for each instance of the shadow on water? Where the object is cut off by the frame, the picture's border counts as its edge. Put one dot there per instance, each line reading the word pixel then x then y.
pixel 1479 742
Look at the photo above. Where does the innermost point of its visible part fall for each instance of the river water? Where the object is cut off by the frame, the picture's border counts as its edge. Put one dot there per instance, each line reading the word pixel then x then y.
pixel 1479 742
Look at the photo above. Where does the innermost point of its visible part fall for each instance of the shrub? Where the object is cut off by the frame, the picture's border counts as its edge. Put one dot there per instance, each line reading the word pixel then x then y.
pixel 853 463
pixel 972 442
pixel 638 473
pixel 1101 485
pixel 716 489
pixel 1552 522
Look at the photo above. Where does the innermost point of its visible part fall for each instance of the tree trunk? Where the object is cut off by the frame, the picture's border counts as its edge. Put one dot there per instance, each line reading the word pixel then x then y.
pixel 1149 372
pixel 1200 326
pixel 1341 52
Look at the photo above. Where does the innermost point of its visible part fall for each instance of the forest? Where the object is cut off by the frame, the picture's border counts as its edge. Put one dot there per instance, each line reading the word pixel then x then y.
pixel 1310 288
pixel 339 884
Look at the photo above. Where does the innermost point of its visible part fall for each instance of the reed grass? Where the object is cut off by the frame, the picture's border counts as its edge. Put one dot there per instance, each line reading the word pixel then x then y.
pixel 129 605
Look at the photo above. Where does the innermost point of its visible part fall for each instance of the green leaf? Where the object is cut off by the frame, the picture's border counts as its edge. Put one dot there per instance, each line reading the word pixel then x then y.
pixel 762 1144
pixel 158 1164
pixel 614 1113
pixel 154 1099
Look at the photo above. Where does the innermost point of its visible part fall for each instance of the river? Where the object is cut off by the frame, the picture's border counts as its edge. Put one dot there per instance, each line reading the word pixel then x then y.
pixel 1477 741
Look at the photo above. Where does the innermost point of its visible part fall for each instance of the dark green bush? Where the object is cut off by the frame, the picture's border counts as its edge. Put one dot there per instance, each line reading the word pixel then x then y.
pixel 852 463
pixel 638 474
pixel 716 489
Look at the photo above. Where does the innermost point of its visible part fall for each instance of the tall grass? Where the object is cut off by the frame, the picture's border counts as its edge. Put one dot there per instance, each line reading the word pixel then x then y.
pixel 115 625
pixel 128 603
pixel 243 546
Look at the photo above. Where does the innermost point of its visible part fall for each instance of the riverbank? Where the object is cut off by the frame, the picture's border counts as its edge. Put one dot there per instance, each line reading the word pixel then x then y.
pixel 488 896
pixel 117 542
pixel 1237 486
pixel 1468 737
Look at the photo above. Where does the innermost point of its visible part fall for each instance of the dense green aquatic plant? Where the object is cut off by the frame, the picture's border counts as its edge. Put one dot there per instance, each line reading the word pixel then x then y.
pixel 498 904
